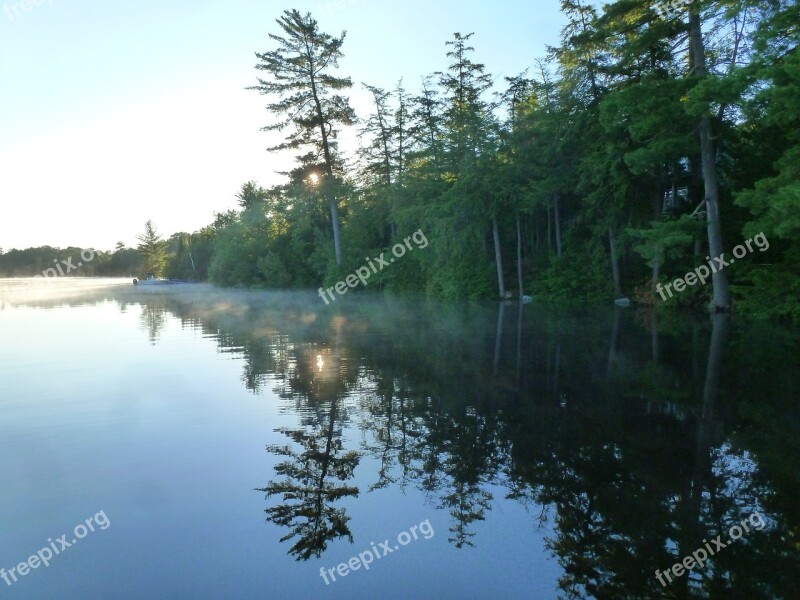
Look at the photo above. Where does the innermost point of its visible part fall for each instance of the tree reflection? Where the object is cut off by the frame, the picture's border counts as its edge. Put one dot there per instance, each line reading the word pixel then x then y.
pixel 650 495
pixel 310 488
pixel 153 319
pixel 314 478
pixel 630 438
pixel 392 431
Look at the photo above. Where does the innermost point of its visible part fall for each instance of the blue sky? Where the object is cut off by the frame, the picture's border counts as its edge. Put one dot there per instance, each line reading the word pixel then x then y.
pixel 115 113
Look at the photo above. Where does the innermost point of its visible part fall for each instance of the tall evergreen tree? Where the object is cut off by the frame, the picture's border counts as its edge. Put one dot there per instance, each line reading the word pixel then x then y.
pixel 300 71
pixel 153 249
pixel 708 150
pixel 378 149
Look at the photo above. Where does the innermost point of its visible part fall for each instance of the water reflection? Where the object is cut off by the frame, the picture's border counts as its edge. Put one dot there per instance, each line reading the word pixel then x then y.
pixel 314 478
pixel 632 436
pixel 153 319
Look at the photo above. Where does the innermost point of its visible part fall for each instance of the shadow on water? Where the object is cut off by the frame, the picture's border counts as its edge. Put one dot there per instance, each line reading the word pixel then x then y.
pixel 638 436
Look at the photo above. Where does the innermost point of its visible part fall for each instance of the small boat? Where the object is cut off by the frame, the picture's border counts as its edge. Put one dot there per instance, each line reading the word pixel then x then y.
pixel 153 280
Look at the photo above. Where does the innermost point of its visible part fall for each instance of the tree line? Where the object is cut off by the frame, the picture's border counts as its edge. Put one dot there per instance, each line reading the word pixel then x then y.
pixel 647 142
pixel 49 261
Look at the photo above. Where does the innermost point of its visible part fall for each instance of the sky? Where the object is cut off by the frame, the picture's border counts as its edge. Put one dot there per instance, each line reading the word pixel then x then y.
pixel 113 113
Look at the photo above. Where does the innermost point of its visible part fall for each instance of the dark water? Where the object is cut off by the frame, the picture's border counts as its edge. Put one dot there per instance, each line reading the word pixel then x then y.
pixel 233 444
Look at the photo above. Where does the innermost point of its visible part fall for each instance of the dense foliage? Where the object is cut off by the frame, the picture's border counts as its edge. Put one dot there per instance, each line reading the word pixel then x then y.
pixel 529 189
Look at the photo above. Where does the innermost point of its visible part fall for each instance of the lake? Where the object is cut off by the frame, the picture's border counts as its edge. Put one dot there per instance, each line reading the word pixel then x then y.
pixel 192 442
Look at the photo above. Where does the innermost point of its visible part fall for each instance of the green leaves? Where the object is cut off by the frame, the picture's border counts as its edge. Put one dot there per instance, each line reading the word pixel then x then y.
pixel 665 239
pixel 773 131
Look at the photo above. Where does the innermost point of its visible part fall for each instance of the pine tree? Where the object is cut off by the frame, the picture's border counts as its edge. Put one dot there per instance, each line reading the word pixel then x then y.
pixel 468 116
pixel 377 136
pixel 306 99
pixel 153 249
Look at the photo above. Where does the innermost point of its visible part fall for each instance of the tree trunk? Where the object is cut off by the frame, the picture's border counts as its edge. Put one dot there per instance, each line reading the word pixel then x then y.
pixel 498 257
pixel 191 258
pixel 557 369
pixel 332 202
pixel 613 356
pixel 612 244
pixel 656 272
pixel 498 338
pixel 325 463
pixel 658 205
pixel 519 258
pixel 654 345
pixel 520 316
pixel 337 239
pixel 719 337
pixel 702 473
pixel 557 222
pixel 721 299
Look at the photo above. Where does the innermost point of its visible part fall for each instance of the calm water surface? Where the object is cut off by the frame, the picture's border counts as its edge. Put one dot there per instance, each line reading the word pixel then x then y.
pixel 235 444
